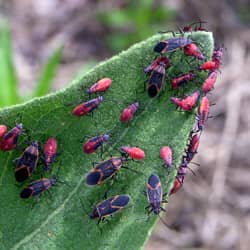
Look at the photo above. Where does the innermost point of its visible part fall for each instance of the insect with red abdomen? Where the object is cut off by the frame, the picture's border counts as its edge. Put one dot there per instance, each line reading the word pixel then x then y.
pixel 192 148
pixel 208 84
pixel 10 139
pixel 92 144
pixel 202 113
pixel 189 27
pixel 156 63
pixel 87 107
pixel 128 113
pixel 49 153
pixel 166 155
pixel 177 185
pixel 181 80
pixel 193 50
pixel 101 86
pixel 188 103
pixel 134 153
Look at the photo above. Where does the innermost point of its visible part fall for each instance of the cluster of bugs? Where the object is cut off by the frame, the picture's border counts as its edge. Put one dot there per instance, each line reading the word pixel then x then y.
pixel 27 163
pixel 106 170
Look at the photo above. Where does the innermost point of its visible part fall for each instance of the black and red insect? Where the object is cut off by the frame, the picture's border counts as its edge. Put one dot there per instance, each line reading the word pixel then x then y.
pixel 202 113
pixel 187 103
pixel 27 162
pixel 209 83
pixel 156 80
pixel 10 139
pixel 182 79
pixel 190 28
pixel 166 156
pixel 37 187
pixel 134 153
pixel 92 144
pixel 49 153
pixel 109 207
pixel 101 86
pixel 154 195
pixel 156 63
pixel 87 107
pixel 128 113
pixel 177 186
pixel 193 50
pixel 191 149
pixel 105 170
pixel 172 44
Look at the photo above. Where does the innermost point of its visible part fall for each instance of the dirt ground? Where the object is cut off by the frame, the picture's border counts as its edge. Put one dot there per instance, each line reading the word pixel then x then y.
pixel 212 211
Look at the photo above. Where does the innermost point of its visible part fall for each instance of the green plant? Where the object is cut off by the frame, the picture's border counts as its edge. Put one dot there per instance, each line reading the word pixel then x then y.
pixel 8 79
pixel 139 20
pixel 61 222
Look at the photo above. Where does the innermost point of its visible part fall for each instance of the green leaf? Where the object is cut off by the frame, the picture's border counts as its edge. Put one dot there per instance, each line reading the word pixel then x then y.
pixel 61 222
pixel 48 73
pixel 8 79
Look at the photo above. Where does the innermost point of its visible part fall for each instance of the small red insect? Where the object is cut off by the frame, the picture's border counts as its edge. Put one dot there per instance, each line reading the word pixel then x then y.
pixel 191 149
pixel 133 152
pixel 100 86
pixel 202 113
pixel 3 130
pixel 156 63
pixel 209 65
pixel 177 185
pixel 92 144
pixel 208 84
pixel 49 153
pixel 193 50
pixel 181 80
pixel 128 113
pixel 189 27
pixel 166 155
pixel 187 103
pixel 10 139
pixel 87 107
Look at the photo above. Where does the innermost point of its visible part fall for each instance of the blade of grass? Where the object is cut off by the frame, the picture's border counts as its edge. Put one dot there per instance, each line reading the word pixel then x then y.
pixel 48 73
pixel 8 79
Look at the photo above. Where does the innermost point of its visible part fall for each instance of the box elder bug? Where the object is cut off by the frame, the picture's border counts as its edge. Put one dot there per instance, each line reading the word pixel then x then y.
pixel 92 144
pixel 105 170
pixel 101 86
pixel 156 63
pixel 109 207
pixel 193 50
pixel 166 156
pixel 49 153
pixel 87 107
pixel 192 148
pixel 35 188
pixel 202 113
pixel 134 153
pixel 10 139
pixel 208 84
pixel 187 103
pixel 27 162
pixel 181 80
pixel 177 185
pixel 128 113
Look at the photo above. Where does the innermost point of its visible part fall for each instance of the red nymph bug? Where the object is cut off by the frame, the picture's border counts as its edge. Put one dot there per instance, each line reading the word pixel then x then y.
pixel 10 139
pixel 208 84
pixel 156 63
pixel 128 113
pixel 192 148
pixel 193 50
pixel 156 80
pixel 181 80
pixel 100 86
pixel 177 185
pixel 35 188
pixel 49 153
pixel 209 65
pixel 109 207
pixel 202 113
pixel 87 107
pixel 3 130
pixel 166 155
pixel 105 170
pixel 154 195
pixel 189 27
pixel 92 144
pixel 172 44
pixel 27 162
pixel 134 153
pixel 187 103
